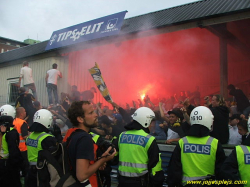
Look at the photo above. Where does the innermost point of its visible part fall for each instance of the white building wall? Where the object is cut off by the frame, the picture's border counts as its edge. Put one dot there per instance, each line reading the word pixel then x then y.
pixel 39 69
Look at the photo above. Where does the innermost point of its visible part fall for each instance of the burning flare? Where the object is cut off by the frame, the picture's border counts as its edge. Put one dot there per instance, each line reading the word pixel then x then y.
pixel 142 96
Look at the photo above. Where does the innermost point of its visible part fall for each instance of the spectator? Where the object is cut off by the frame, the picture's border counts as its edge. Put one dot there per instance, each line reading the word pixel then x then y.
pixel 243 104
pixel 175 131
pixel 25 100
pixel 81 147
pixel 243 130
pixel 37 105
pixel 63 127
pixel 51 83
pixel 88 95
pixel 65 101
pixel 196 96
pixel 119 121
pixel 109 128
pixel 220 129
pixel 75 95
pixel 234 137
pixel 155 128
pixel 125 115
pixel 26 78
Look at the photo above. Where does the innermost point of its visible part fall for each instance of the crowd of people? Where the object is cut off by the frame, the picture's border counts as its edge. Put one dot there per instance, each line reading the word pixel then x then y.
pixel 98 137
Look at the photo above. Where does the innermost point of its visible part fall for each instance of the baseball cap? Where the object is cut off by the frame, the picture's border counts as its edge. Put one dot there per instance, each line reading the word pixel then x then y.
pixel 176 112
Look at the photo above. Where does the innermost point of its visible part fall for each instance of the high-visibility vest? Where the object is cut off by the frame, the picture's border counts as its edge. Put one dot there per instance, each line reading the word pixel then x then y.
pixel 133 153
pixel 5 153
pixel 93 178
pixel 17 125
pixel 243 158
pixel 198 157
pixel 33 143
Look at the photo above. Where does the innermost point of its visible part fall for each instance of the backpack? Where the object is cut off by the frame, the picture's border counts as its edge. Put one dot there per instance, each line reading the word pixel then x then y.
pixel 54 170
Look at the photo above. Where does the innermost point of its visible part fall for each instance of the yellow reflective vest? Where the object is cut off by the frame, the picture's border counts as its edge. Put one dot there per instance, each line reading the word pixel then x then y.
pixel 243 158
pixel 198 156
pixel 133 153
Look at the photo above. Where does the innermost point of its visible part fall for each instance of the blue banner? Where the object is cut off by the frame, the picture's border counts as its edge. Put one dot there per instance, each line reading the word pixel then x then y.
pixel 98 28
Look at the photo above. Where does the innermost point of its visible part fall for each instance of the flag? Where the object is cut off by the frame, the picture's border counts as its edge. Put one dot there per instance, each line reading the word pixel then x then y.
pixel 97 76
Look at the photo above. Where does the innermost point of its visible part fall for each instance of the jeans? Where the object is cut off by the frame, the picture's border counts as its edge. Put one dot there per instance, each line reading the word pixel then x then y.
pixel 50 88
pixel 32 87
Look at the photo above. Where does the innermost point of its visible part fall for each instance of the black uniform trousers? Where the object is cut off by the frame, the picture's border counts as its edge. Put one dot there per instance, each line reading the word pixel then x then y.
pixel 9 175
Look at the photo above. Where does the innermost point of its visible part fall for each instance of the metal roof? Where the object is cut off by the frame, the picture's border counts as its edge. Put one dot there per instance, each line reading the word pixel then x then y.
pixel 177 15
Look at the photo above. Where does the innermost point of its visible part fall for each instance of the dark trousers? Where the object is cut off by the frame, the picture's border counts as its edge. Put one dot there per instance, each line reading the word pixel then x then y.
pixel 9 175
pixel 25 167
pixel 132 181
pixel 52 88
pixel 105 176
pixel 32 87
pixel 32 177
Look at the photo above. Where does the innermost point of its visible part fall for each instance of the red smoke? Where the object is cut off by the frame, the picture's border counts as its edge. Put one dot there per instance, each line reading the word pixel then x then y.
pixel 158 66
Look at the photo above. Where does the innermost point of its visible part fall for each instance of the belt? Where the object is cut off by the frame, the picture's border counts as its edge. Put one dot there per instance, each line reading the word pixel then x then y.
pixel 134 178
pixel 33 167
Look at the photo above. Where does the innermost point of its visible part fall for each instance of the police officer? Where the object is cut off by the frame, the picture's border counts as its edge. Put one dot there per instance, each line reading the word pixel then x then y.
pixel 139 158
pixel 38 140
pixel 197 156
pixel 10 155
pixel 237 164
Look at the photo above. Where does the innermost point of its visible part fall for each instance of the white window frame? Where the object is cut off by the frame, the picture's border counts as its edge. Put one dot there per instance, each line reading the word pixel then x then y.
pixel 9 82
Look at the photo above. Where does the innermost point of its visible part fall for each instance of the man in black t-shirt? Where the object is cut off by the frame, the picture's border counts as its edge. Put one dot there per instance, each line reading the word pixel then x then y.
pixel 25 100
pixel 109 128
pixel 81 147
pixel 243 104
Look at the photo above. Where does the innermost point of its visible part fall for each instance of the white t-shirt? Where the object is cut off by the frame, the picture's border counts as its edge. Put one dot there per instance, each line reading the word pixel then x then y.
pixel 172 135
pixel 26 74
pixel 53 75
pixel 234 137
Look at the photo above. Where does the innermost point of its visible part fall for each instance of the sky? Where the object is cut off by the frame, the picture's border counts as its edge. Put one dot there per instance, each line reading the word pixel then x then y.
pixel 37 19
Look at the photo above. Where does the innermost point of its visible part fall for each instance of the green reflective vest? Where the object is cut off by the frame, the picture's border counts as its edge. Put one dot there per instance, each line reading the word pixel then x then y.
pixel 243 158
pixel 95 137
pixel 33 143
pixel 133 153
pixel 5 153
pixel 198 156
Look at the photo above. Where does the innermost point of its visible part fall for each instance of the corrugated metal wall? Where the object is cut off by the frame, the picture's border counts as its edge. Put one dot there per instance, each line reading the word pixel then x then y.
pixel 39 68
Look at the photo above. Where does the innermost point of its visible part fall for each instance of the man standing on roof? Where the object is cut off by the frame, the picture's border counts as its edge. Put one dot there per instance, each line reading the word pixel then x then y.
pixel 51 83
pixel 26 78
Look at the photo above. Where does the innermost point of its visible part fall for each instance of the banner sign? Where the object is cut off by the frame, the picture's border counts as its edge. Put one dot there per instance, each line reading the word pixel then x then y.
pixel 97 76
pixel 98 28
